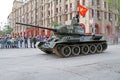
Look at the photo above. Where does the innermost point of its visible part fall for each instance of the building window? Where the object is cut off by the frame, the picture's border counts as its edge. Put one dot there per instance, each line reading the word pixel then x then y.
pixel 60 9
pixel 92 13
pixel 41 22
pixel 42 15
pixel 66 8
pixel 70 16
pixel 48 5
pixel 56 10
pixel 115 17
pixel 48 13
pixel 98 15
pixel 110 17
pixel 41 1
pixel 60 1
pixel 51 12
pixel 42 7
pixel 56 1
pixel 60 18
pixel 92 2
pixel 98 2
pixel 105 15
pixel 70 5
pixel 31 19
pixel 36 17
pixel 105 4
pixel 51 4
pixel 48 21
pixel 57 19
pixel 83 2
pixel 66 17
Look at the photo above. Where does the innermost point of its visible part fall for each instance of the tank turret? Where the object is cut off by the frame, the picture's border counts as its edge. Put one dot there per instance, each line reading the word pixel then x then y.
pixel 73 29
pixel 71 40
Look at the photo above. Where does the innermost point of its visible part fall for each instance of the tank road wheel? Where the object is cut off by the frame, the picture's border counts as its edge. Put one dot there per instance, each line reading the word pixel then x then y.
pixel 92 48
pixel 66 51
pixel 57 51
pixel 99 48
pixel 75 50
pixel 104 45
pixel 85 49
pixel 59 47
pixel 48 52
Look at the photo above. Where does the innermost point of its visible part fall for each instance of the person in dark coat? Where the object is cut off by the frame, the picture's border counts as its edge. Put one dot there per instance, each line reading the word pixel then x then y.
pixel 31 41
pixel 21 42
pixel 26 41
pixel 34 41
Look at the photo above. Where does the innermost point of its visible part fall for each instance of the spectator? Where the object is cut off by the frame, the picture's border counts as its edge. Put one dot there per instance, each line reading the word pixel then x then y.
pixel 34 41
pixel 8 43
pixel 31 41
pixel 21 42
pixel 16 43
pixel 26 41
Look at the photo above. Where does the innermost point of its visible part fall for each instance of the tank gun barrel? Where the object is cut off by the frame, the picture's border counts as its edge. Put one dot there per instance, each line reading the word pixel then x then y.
pixel 36 26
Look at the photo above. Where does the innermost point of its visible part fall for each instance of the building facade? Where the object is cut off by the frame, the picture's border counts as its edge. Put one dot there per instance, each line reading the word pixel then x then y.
pixel 99 19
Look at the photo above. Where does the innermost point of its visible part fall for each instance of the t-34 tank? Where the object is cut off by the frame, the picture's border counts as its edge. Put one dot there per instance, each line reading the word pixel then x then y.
pixel 70 40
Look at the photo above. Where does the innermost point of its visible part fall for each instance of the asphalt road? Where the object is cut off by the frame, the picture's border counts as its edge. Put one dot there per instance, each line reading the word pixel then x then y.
pixel 32 64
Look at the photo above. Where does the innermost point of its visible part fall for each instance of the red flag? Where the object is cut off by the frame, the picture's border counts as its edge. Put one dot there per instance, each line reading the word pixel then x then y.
pixel 82 10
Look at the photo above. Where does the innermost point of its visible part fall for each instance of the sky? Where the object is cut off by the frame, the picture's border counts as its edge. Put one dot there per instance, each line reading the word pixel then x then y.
pixel 5 10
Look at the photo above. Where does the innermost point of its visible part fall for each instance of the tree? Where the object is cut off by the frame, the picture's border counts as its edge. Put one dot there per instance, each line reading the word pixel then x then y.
pixel 118 12
pixel 1 33
pixel 55 24
pixel 114 4
pixel 7 30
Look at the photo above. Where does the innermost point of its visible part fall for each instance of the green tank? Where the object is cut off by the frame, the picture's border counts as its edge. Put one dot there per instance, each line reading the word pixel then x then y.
pixel 71 40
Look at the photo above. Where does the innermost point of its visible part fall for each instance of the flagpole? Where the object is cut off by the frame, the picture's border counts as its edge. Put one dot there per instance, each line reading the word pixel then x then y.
pixel 77 14
pixel 94 17
pixel 81 11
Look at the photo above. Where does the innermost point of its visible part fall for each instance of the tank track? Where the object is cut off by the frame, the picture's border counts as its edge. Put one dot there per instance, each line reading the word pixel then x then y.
pixel 46 51
pixel 69 49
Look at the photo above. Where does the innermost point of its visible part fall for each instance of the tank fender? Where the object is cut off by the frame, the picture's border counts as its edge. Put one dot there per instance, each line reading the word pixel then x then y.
pixel 97 37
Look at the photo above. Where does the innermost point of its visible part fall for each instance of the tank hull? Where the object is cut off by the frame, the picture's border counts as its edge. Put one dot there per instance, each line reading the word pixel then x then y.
pixel 67 49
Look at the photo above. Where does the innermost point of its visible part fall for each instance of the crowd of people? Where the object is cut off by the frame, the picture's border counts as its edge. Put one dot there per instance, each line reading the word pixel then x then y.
pixel 20 42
